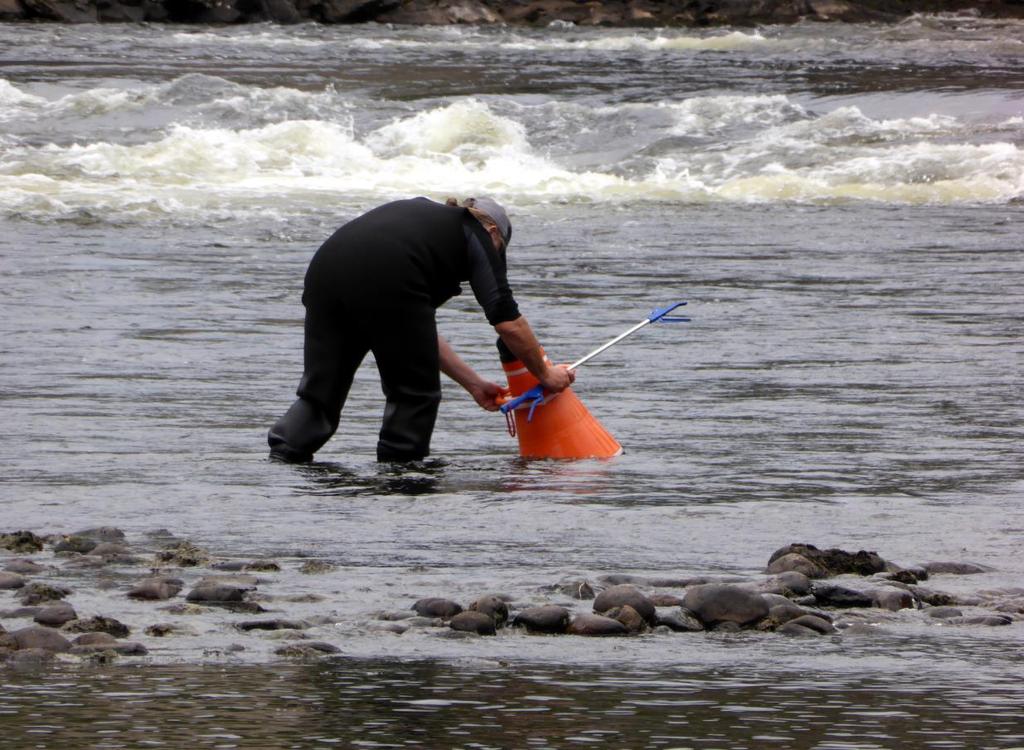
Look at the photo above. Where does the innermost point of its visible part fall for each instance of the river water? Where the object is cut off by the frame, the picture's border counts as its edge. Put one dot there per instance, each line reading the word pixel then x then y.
pixel 841 207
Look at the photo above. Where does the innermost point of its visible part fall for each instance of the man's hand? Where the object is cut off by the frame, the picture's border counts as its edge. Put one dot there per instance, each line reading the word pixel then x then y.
pixel 556 378
pixel 487 394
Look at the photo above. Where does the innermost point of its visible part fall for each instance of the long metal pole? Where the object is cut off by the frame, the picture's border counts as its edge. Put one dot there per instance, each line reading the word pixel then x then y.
pixel 613 342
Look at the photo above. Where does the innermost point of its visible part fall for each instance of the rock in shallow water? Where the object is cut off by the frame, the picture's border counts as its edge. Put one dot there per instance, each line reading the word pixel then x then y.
pixel 473 622
pixel 715 604
pixel 548 618
pixel 626 595
pixel 956 568
pixel 98 624
pixel 595 625
pixel 307 650
pixel 23 567
pixel 492 606
pixel 35 636
pixel 21 542
pixel 10 581
pixel 37 593
pixel 56 615
pixel 680 620
pixel 159 588
pixel 437 607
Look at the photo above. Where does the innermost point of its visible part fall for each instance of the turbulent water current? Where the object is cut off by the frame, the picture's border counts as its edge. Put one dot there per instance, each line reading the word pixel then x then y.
pixel 839 204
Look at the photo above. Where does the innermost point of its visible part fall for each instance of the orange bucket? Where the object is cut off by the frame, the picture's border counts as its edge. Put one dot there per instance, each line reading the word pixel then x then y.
pixel 559 427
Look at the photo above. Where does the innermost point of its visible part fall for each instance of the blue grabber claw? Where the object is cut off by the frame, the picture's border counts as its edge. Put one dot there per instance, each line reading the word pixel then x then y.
pixel 661 315
pixel 535 394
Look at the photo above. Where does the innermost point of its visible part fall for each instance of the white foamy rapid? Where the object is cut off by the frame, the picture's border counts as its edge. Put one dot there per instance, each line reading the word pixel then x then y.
pixel 715 148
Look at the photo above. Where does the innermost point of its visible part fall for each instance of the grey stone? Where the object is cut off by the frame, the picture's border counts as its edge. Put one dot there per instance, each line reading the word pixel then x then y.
pixel 793 562
pixel 665 600
pixel 492 606
pixel 783 613
pixel 629 617
pixel 23 567
pixel 794 629
pixel 893 599
pixel 943 612
pixel 437 607
pixel 307 650
pixel 56 615
pixel 717 603
pixel 157 589
pixel 548 618
pixel 990 620
pixel 623 595
pixel 35 637
pixel 94 639
pixel 218 593
pixel 595 625
pixel 74 543
pixel 816 624
pixel 119 648
pixel 473 622
pixel 831 595
pixel 10 581
pixel 577 589
pixel 680 619
pixel 103 534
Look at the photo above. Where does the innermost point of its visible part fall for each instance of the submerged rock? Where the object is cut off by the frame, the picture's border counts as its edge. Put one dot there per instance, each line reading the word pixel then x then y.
pixel 548 618
pixel 183 554
pixel 716 603
pixel 893 599
pixel 473 622
pixel 316 567
pixel 307 650
pixel 942 613
pixel 577 589
pixel 956 568
pixel 118 647
pixel 73 543
pixel 163 629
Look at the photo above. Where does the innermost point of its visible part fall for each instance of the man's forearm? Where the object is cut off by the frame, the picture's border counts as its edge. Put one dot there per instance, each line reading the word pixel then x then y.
pixel 453 366
pixel 520 339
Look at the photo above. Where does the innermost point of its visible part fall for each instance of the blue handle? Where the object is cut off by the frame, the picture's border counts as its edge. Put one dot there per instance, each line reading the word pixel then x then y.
pixel 535 394
pixel 662 315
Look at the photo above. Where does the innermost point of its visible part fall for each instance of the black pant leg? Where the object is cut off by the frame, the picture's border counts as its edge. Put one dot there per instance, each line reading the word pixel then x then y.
pixel 333 349
pixel 405 347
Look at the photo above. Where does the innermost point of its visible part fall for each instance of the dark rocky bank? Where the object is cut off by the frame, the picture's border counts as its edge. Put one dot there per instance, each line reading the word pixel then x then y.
pixel 640 13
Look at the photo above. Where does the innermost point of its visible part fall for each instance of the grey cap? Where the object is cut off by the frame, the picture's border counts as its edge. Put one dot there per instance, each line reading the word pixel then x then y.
pixel 493 209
